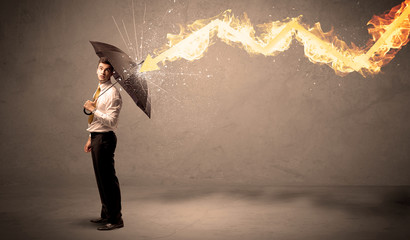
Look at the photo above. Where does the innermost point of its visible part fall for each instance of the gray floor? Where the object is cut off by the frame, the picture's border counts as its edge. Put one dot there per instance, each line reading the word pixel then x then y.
pixel 209 212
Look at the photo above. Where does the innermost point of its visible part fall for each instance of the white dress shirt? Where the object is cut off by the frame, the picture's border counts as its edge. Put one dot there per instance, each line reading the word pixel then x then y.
pixel 108 110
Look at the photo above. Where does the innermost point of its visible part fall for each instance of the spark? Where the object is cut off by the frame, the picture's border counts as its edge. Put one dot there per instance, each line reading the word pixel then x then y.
pixel 135 32
pixel 120 32
pixel 143 23
pixel 128 37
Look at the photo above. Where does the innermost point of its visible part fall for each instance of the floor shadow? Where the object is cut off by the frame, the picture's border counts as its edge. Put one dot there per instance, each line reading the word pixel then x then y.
pixel 84 223
pixel 385 201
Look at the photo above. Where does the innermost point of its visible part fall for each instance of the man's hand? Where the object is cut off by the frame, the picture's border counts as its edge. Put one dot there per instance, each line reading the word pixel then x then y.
pixel 89 105
pixel 87 146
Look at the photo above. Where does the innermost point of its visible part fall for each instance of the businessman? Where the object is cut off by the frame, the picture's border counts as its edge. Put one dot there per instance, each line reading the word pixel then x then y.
pixel 102 141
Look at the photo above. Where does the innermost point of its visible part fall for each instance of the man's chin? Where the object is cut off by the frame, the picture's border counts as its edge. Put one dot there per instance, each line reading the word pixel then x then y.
pixel 103 80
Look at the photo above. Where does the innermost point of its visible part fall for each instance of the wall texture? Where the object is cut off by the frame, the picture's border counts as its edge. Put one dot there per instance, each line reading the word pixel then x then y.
pixel 228 118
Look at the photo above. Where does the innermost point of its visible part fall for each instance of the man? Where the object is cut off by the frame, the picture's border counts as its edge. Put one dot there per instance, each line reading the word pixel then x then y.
pixel 102 143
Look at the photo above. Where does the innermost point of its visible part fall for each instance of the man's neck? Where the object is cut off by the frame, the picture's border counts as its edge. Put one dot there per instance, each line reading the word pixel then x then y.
pixel 105 82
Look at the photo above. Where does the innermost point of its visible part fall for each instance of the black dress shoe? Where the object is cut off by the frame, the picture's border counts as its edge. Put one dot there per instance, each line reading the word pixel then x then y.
pixel 99 220
pixel 111 226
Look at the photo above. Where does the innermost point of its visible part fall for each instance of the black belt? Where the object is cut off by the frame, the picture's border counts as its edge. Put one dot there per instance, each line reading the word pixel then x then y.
pixel 93 134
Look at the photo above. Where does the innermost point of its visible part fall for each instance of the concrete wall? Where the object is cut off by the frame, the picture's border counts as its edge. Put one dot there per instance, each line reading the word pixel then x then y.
pixel 226 118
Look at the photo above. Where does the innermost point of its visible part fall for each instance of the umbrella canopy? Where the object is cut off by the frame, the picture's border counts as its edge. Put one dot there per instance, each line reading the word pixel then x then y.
pixel 126 74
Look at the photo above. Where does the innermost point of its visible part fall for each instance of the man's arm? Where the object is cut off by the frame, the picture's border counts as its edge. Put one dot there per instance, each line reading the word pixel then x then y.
pixel 90 106
pixel 110 117
pixel 87 146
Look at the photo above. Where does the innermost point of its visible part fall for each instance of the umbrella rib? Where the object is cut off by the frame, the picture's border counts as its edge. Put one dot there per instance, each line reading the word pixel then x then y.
pixel 143 89
pixel 142 86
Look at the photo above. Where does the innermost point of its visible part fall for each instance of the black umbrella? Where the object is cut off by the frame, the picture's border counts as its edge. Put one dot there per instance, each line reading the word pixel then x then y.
pixel 126 74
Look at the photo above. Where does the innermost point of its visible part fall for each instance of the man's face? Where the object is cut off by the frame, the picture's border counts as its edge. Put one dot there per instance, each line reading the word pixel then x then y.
pixel 104 72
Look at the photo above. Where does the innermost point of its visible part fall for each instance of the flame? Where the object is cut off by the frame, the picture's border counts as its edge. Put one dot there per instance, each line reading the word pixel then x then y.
pixel 384 52
pixel 390 32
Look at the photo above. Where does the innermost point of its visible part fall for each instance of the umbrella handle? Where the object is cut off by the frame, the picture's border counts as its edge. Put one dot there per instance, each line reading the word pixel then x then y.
pixel 87 113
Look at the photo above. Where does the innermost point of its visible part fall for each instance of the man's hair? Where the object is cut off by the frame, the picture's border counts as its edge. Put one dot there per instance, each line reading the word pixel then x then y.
pixel 105 60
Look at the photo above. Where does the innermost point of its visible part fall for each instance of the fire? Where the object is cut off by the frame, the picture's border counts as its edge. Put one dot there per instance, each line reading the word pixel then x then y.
pixel 390 32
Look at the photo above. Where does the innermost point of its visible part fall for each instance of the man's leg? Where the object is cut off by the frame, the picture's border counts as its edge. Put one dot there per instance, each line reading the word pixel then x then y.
pixel 96 156
pixel 110 189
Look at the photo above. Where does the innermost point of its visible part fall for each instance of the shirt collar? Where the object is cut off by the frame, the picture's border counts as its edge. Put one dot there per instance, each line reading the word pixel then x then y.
pixel 105 85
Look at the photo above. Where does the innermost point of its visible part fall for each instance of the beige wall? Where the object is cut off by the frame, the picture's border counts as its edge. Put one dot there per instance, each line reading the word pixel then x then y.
pixel 253 120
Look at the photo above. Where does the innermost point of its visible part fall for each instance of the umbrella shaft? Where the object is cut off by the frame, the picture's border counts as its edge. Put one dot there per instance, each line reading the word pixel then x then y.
pixel 112 85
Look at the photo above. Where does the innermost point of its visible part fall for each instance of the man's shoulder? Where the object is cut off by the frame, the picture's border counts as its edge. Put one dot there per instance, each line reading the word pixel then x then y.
pixel 114 92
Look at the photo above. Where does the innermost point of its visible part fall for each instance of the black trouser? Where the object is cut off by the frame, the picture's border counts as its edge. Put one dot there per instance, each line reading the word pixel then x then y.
pixel 102 151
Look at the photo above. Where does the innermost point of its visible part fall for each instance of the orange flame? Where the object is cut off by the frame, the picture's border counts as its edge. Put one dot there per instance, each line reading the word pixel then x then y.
pixel 389 33
pixel 399 37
